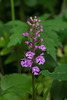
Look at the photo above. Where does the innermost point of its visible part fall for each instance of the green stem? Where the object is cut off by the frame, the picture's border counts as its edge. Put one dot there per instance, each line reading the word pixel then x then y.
pixel 12 10
pixel 63 8
pixel 33 85
pixel 1 66
pixel 18 65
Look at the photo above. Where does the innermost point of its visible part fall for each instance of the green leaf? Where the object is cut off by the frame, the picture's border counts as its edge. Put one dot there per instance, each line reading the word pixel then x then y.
pixel 17 28
pixel 50 5
pixel 6 51
pixel 16 83
pixel 60 92
pixel 60 72
pixel 11 58
pixel 49 35
pixel 30 3
pixel 46 93
pixel 8 97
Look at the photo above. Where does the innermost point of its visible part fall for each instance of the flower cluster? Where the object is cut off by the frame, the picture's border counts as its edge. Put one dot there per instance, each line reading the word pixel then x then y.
pixel 34 34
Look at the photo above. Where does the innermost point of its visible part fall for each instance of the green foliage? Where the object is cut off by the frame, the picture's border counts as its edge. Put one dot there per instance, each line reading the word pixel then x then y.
pixel 45 95
pixel 8 96
pixel 60 72
pixel 16 83
pixel 51 39
pixel 59 90
pixel 49 4
pixel 30 3
pixel 6 51
pixel 17 28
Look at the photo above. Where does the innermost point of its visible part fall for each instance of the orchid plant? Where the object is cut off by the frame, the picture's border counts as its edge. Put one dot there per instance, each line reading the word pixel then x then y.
pixel 30 60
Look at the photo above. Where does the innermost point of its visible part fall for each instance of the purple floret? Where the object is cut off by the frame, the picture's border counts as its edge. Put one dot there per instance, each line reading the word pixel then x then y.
pixel 26 63
pixel 30 54
pixel 42 47
pixel 35 70
pixel 40 60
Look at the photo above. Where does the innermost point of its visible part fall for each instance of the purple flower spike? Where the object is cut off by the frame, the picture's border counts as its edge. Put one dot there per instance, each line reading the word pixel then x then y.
pixel 27 42
pixel 41 39
pixel 23 34
pixel 36 46
pixel 30 30
pixel 30 17
pixel 26 34
pixel 39 21
pixel 37 24
pixel 33 25
pixel 40 60
pixel 41 26
pixel 38 35
pixel 30 54
pixel 28 22
pixel 35 70
pixel 42 47
pixel 41 30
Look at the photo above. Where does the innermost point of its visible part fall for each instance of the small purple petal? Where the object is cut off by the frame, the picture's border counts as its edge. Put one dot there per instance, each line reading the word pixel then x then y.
pixel 33 21
pixel 40 60
pixel 36 20
pixel 41 26
pixel 34 39
pixel 35 73
pixel 41 39
pixel 41 54
pixel 36 46
pixel 28 22
pixel 30 30
pixel 30 54
pixel 27 42
pixel 38 35
pixel 35 16
pixel 26 34
pixel 41 30
pixel 37 24
pixel 42 47
pixel 30 17
pixel 33 25
pixel 23 34
pixel 39 21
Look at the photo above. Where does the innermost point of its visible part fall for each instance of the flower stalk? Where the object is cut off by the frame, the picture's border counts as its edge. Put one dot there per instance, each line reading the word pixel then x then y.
pixel 33 44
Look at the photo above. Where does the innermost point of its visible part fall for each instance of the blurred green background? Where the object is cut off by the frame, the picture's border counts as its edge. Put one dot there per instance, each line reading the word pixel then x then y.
pixel 13 16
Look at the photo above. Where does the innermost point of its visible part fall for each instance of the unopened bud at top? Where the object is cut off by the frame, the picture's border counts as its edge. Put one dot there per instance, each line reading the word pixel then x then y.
pixel 35 16
pixel 30 17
